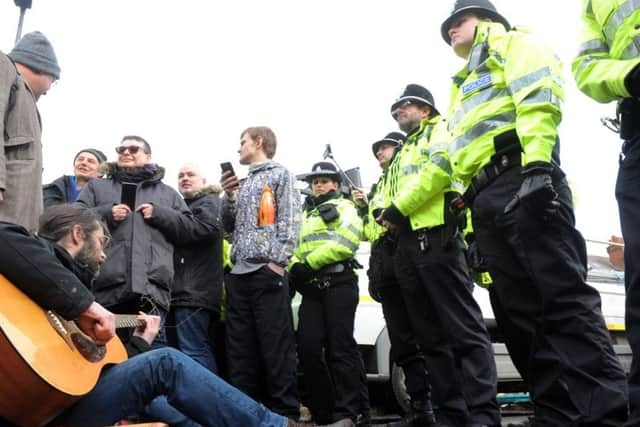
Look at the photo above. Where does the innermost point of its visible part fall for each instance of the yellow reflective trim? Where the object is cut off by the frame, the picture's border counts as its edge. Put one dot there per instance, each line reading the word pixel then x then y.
pixel 615 327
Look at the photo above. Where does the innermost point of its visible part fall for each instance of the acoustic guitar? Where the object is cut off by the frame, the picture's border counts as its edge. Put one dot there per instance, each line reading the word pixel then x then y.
pixel 46 362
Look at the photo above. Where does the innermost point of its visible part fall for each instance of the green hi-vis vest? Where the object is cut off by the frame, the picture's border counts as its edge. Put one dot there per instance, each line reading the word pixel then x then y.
pixel 610 48
pixel 511 81
pixel 422 175
pixel 373 230
pixel 321 244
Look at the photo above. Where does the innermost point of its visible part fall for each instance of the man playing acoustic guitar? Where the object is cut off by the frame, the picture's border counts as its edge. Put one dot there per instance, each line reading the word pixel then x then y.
pixel 55 270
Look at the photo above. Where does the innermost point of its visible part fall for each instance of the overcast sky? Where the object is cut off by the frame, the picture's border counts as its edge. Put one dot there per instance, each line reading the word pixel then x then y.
pixel 189 76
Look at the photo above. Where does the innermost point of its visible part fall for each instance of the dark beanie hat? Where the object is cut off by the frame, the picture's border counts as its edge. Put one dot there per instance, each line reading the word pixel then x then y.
pixel 35 51
pixel 99 154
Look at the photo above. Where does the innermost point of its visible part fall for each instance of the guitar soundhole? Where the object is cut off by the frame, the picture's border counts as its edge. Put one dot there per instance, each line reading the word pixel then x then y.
pixel 88 349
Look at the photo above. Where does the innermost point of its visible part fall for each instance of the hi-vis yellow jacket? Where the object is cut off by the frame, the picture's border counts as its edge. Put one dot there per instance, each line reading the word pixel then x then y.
pixel 511 81
pixel 377 201
pixel 321 244
pixel 423 175
pixel 610 48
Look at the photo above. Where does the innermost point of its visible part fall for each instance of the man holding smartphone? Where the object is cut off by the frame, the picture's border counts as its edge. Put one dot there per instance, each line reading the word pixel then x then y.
pixel 260 339
pixel 146 218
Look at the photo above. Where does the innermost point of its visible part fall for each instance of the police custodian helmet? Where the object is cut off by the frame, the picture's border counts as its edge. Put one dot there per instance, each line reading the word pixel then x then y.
pixel 418 95
pixel 393 138
pixel 484 8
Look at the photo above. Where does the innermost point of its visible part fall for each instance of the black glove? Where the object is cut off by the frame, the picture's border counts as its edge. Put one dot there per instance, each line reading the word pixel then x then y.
pixel 301 273
pixel 536 191
pixel 632 81
pixel 374 292
pixel 394 216
pixel 476 262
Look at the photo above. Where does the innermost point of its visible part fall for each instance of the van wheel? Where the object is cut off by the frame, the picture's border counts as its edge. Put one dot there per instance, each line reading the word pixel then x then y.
pixel 399 390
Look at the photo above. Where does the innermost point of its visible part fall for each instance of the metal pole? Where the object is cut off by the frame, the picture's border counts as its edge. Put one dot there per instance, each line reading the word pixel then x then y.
pixel 19 32
pixel 602 242
pixel 328 153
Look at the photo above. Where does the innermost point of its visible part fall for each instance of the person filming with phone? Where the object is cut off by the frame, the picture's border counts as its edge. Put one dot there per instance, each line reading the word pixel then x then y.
pixel 263 213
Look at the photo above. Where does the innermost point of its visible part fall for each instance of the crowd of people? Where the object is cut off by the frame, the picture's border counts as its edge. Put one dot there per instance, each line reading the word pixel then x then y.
pixel 479 196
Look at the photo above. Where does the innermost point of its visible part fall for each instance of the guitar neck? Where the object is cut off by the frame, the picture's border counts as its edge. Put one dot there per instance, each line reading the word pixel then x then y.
pixel 128 321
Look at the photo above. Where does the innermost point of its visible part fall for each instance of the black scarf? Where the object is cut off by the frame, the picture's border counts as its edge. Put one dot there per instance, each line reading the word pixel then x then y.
pixel 135 174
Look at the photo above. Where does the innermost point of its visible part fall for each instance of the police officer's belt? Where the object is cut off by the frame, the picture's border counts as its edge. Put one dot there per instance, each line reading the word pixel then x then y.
pixel 500 162
pixel 628 114
pixel 322 279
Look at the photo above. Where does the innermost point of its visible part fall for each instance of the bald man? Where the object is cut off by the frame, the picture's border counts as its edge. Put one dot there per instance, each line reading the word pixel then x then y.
pixel 197 286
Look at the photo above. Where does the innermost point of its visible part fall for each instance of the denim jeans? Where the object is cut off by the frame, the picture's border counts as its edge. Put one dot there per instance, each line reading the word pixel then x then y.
pixel 203 397
pixel 191 334
pixel 187 330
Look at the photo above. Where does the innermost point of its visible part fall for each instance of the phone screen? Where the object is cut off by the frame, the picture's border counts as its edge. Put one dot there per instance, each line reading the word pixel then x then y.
pixel 128 196
pixel 226 166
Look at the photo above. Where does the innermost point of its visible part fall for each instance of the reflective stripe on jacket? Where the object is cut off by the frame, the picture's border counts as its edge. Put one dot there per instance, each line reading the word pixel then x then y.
pixel 423 175
pixel 373 230
pixel 609 49
pixel 512 80
pixel 322 243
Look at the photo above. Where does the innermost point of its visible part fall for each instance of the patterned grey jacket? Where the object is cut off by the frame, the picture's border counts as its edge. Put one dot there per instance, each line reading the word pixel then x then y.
pixel 272 242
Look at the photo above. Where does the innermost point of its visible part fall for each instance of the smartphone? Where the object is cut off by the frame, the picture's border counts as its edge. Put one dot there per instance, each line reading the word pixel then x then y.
pixel 227 166
pixel 128 195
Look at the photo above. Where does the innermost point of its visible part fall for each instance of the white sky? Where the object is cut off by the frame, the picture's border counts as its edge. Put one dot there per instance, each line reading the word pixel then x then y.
pixel 189 76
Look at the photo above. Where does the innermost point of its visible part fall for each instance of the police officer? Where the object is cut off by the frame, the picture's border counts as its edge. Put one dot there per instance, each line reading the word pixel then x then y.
pixel 505 110
pixel 384 288
pixel 322 270
pixel 430 263
pixel 608 69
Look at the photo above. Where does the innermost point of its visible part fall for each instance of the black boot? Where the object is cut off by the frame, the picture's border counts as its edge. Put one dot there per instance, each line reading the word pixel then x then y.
pixel 420 415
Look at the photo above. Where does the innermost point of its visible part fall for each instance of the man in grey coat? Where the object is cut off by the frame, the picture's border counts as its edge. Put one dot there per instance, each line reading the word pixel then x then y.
pixel 146 219
pixel 25 74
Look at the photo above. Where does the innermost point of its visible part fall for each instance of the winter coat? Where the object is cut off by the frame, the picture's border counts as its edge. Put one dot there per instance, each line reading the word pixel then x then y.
pixel 140 255
pixel 47 273
pixel 21 156
pixel 43 270
pixel 198 264
pixel 252 242
pixel 57 192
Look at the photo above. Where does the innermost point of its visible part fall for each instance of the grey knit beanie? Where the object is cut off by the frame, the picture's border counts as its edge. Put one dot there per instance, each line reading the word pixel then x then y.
pixel 99 154
pixel 35 51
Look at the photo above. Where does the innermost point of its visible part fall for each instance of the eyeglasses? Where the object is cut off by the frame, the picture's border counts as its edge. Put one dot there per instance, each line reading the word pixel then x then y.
pixel 403 104
pixel 132 149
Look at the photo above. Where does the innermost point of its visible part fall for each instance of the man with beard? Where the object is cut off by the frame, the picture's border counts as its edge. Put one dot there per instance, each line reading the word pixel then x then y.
pixel 67 188
pixel 432 270
pixel 146 218
pixel 55 270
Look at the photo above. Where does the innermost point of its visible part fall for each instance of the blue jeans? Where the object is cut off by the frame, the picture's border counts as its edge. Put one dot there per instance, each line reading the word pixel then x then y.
pixel 203 397
pixel 192 334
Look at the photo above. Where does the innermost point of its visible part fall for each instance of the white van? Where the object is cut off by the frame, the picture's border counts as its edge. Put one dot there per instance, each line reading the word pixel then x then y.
pixel 372 338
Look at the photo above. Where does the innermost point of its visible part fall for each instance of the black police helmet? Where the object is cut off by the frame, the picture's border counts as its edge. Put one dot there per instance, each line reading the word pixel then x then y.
pixel 416 94
pixel 480 7
pixel 325 169
pixel 393 138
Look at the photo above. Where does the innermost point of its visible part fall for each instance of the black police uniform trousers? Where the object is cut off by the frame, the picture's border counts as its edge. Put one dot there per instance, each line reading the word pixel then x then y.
pixel 404 347
pixel 446 390
pixel 628 196
pixel 538 266
pixel 260 342
pixel 448 324
pixel 334 375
